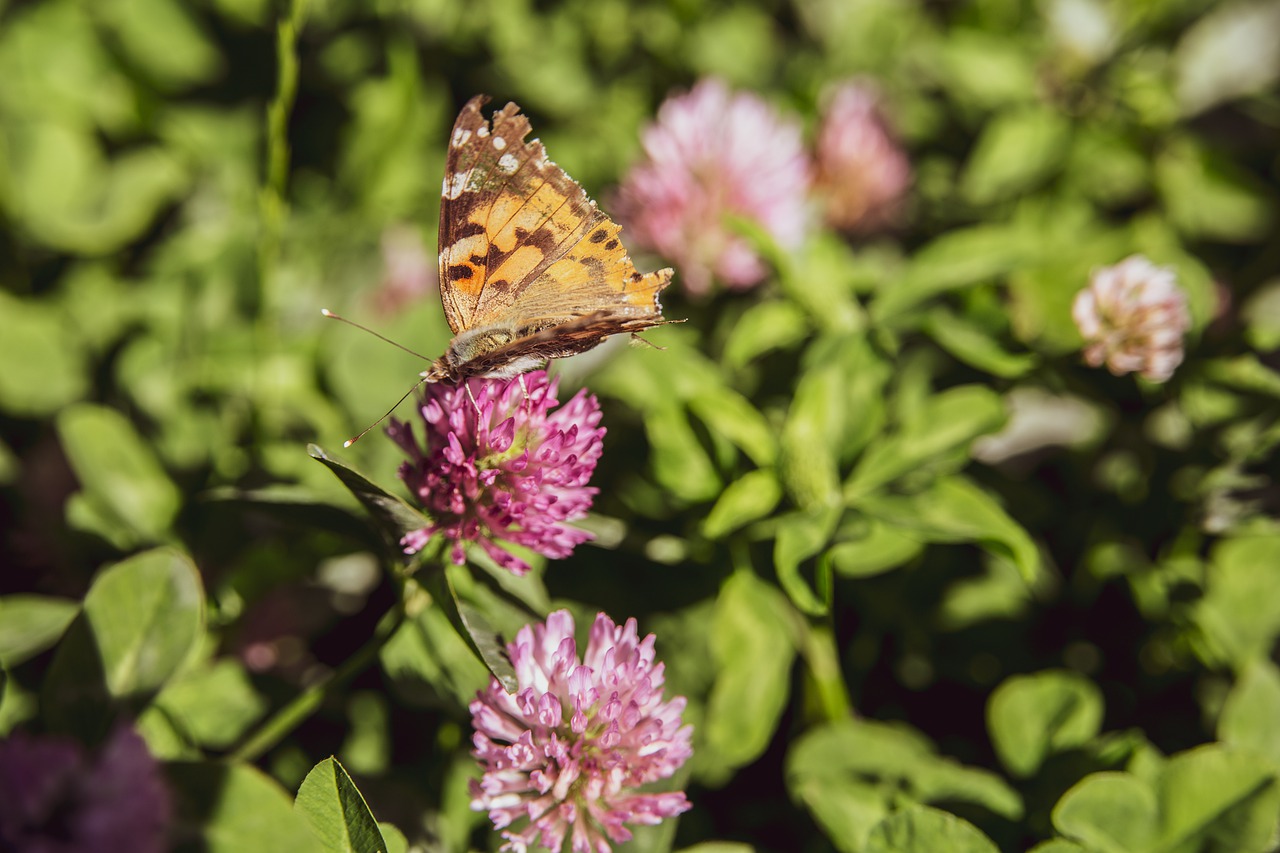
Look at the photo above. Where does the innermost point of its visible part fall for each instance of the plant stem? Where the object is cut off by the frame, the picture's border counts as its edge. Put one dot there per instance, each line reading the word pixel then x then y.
pixel 273 207
pixel 304 705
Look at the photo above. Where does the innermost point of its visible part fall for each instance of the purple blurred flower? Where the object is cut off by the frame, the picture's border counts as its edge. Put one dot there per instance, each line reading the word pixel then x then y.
pixel 862 172
pixel 54 798
pixel 713 155
pixel 564 755
pixel 502 466
pixel 409 273
pixel 1133 316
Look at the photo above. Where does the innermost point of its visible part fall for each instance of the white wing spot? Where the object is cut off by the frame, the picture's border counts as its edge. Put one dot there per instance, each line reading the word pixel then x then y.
pixel 455 184
pixel 499 143
pixel 482 131
pixel 507 163
pixel 460 137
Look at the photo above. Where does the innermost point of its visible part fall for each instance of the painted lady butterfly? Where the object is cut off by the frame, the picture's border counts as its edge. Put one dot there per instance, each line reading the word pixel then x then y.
pixel 530 269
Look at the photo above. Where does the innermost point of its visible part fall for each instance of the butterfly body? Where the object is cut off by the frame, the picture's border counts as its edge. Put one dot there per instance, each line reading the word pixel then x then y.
pixel 530 268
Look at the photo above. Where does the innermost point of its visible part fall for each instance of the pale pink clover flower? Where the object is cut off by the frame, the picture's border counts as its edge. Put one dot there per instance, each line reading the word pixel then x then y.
pixel 862 171
pixel 498 465
pixel 1133 317
pixel 563 757
pixel 711 156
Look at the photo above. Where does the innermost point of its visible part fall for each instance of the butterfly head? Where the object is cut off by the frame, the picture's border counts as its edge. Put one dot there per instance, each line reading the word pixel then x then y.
pixel 466 356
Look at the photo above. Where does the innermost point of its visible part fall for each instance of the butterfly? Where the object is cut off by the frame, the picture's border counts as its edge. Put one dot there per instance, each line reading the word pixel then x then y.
pixel 530 268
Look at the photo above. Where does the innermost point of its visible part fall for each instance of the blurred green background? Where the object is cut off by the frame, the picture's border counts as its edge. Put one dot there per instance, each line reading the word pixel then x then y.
pixel 183 185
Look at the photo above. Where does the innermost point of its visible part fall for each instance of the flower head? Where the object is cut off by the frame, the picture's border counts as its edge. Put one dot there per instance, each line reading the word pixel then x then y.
pixel 56 798
pixel 713 155
pixel 499 465
pixel 563 756
pixel 1133 316
pixel 862 172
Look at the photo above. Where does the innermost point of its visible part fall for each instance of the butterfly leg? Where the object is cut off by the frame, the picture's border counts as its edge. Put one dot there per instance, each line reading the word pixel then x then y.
pixel 466 383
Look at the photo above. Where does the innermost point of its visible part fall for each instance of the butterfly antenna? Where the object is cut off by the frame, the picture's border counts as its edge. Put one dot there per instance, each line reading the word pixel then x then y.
pixel 351 441
pixel 332 316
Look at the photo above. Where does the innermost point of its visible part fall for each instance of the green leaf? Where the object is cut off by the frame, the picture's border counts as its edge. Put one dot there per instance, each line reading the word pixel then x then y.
pixel 892 758
pixel 986 70
pixel 141 619
pixel 1109 813
pixel 809 462
pixel 118 470
pixel 474 625
pixel 29 624
pixel 70 197
pixel 718 847
pixel 213 705
pixel 146 613
pixel 160 38
pixel 235 808
pixel 959 258
pixel 680 462
pixel 1031 717
pixel 1216 799
pixel 1239 614
pixel 337 812
pixel 972 345
pixel 763 327
pixel 845 808
pixel 1016 151
pixel 394 838
pixel 1208 197
pixel 749 498
pixel 1245 373
pixel 392 515
pixel 45 363
pixel 920 829
pixel 753 645
pixel 1248 720
pixel 954 509
pixel 428 657
pixel 801 535
pixel 1261 313
pixel 729 414
pixel 948 423
pixel 880 548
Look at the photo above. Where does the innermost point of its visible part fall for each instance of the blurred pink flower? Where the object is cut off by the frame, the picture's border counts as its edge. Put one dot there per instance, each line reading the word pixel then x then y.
pixel 409 273
pixel 502 466
pixel 710 156
pixel 565 754
pixel 862 172
pixel 1132 317
pixel 57 798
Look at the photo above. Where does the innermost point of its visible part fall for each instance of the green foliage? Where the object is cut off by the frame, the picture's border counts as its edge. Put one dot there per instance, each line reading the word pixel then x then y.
pixel 927 581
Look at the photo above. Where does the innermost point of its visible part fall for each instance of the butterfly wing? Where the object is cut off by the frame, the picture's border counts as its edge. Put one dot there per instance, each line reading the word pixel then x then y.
pixel 520 239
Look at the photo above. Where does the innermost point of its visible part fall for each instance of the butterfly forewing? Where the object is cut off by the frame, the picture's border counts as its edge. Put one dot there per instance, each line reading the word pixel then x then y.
pixel 519 238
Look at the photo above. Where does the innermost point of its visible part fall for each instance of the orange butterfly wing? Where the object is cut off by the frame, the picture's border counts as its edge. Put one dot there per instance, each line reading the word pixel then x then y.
pixel 522 246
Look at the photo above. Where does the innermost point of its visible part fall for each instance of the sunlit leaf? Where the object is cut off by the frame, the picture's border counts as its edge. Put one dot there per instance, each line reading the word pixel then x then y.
pixel 753 644
pixel 337 812
pixel 29 624
pixel 920 829
pixel 1030 717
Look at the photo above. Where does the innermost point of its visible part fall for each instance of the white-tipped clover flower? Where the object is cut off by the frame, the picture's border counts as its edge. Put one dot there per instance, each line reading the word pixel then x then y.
pixel 564 756
pixel 1133 316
